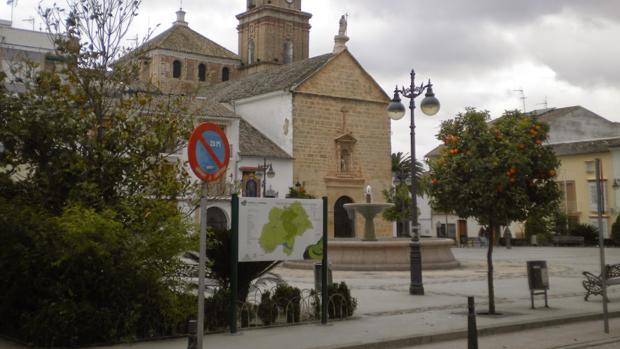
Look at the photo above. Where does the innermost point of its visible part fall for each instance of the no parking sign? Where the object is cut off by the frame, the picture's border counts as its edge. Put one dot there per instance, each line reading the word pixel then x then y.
pixel 208 152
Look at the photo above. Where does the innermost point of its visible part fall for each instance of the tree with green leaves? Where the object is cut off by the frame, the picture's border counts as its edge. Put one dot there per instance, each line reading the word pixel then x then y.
pixel 91 231
pixel 496 172
pixel 400 193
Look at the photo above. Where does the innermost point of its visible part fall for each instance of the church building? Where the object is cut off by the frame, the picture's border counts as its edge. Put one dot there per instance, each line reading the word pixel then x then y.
pixel 312 123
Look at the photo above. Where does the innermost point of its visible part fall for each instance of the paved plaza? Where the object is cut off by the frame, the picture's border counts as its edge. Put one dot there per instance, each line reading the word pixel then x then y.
pixel 388 317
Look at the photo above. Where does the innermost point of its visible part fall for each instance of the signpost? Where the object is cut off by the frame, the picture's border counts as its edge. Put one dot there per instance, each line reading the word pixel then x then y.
pixel 208 154
pixel 600 205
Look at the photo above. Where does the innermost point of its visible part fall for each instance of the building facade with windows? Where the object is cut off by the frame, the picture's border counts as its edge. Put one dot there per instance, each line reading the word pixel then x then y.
pixel 180 60
pixel 577 136
pixel 21 46
pixel 577 181
pixel 320 122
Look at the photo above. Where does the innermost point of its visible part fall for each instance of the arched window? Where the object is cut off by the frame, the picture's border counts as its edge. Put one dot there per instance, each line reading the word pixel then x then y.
pixel 176 69
pixel 288 52
pixel 251 52
pixel 225 74
pixel 216 219
pixel 202 72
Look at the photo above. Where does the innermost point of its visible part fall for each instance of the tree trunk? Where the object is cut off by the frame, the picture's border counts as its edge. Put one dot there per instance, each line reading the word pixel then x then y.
pixel 491 289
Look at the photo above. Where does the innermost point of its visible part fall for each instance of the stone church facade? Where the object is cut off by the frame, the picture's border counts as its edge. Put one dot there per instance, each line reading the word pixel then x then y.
pixel 321 120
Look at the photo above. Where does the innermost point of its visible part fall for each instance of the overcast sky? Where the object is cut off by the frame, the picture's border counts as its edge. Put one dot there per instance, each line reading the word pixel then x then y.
pixel 477 52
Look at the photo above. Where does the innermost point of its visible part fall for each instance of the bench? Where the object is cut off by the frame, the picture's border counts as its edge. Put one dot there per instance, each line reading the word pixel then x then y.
pixel 566 240
pixel 593 283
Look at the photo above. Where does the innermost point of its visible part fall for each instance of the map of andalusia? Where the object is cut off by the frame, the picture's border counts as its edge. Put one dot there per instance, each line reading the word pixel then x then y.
pixel 283 227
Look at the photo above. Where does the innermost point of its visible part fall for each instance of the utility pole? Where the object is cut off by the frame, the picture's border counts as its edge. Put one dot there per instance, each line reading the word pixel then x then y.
pixel 522 98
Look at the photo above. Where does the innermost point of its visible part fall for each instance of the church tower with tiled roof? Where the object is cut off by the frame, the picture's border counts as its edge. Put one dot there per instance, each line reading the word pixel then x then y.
pixel 272 33
pixel 181 60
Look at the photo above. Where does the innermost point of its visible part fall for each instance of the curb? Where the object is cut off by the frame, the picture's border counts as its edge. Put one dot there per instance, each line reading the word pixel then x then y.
pixel 408 341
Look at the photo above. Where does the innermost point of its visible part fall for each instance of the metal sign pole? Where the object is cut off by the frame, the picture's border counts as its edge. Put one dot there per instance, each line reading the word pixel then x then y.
pixel 601 240
pixel 208 153
pixel 324 267
pixel 234 262
pixel 201 267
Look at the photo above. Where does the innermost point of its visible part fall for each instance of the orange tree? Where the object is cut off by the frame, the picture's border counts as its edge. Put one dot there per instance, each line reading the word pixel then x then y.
pixel 496 172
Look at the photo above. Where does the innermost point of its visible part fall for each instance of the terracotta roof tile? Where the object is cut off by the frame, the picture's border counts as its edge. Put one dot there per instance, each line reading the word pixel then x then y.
pixel 279 78
pixel 253 143
pixel 181 38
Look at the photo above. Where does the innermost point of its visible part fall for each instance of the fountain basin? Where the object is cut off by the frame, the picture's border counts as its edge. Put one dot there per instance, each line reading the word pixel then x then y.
pixel 368 210
pixel 384 255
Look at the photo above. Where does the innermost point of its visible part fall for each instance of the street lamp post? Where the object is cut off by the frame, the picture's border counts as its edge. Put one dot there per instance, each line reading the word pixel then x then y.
pixel 396 110
pixel 267 172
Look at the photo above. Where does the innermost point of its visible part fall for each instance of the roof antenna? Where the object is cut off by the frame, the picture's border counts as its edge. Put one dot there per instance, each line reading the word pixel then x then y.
pixel 544 103
pixel 31 20
pixel 180 4
pixel 522 98
pixel 134 39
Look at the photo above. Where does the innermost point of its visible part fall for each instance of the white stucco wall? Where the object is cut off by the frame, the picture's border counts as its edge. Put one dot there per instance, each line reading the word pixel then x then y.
pixel 283 169
pixel 17 45
pixel 272 115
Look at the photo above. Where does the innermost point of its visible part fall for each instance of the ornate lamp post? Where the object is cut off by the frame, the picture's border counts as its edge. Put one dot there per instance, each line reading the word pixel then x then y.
pixel 396 110
pixel 267 172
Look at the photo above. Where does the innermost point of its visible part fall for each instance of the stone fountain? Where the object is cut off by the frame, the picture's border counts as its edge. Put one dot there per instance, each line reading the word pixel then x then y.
pixel 369 211
pixel 372 254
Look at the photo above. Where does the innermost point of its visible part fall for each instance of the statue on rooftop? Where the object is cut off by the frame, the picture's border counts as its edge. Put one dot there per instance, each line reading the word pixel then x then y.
pixel 343 25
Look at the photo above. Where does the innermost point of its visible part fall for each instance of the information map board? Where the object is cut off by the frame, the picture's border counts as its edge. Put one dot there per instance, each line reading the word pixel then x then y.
pixel 280 229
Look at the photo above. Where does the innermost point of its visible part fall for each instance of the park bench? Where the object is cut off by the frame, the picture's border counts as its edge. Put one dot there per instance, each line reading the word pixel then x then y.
pixel 593 283
pixel 565 240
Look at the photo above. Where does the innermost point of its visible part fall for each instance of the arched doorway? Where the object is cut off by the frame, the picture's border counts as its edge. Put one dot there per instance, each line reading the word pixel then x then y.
pixel 216 219
pixel 344 227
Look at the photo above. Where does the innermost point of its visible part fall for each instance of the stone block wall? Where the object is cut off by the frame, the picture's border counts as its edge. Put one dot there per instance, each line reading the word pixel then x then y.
pixel 342 99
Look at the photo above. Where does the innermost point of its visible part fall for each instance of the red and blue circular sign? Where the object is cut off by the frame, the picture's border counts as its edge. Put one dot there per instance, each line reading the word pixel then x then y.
pixel 208 152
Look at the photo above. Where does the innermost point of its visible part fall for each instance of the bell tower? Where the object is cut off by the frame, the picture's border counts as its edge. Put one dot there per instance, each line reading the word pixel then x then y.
pixel 271 33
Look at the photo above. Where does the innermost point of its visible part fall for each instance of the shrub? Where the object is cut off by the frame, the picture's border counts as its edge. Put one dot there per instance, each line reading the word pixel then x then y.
pixel 341 304
pixel 560 223
pixel 216 310
pixel 288 300
pixel 87 277
pixel 587 231
pixel 538 224
pixel 267 309
pixel 298 194
pixel 615 229
pixel 218 252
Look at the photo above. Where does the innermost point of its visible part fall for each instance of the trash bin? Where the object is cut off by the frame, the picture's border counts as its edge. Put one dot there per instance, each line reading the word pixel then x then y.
pixel 317 276
pixel 537 275
pixel 538 279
